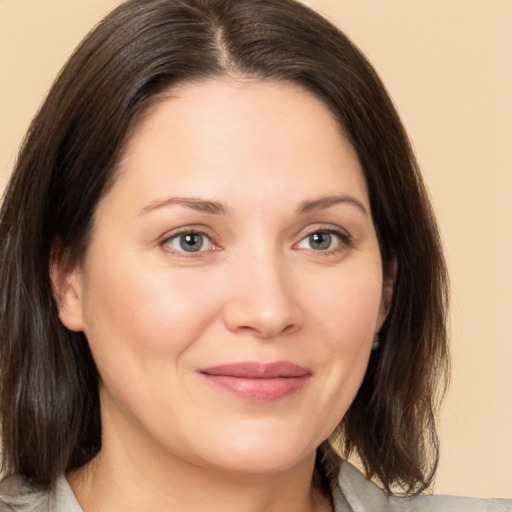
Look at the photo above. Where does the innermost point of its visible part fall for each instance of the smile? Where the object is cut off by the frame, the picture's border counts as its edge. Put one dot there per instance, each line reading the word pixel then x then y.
pixel 258 381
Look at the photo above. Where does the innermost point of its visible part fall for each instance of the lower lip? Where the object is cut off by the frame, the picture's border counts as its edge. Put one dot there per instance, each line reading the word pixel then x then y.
pixel 262 390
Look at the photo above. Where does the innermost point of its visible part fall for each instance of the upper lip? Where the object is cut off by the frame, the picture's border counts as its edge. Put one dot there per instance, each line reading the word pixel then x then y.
pixel 257 370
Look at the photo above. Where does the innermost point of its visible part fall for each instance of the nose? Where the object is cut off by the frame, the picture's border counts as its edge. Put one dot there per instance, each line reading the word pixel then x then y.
pixel 262 299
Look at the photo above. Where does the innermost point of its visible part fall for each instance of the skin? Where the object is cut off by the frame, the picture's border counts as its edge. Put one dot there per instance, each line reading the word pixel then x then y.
pixel 259 289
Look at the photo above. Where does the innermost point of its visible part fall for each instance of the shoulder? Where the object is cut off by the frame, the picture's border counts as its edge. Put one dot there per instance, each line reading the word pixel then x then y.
pixel 17 495
pixel 452 504
pixel 362 495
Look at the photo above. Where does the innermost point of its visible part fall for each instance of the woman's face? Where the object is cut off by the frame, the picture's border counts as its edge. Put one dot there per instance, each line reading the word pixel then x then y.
pixel 233 284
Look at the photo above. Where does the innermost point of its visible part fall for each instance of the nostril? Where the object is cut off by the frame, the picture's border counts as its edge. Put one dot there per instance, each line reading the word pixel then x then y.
pixel 267 331
pixel 289 329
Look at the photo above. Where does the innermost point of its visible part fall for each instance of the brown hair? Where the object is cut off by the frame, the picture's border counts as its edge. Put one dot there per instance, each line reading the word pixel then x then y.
pixel 49 402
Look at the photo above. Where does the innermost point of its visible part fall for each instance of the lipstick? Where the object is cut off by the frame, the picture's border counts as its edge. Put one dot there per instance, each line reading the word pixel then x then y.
pixel 258 381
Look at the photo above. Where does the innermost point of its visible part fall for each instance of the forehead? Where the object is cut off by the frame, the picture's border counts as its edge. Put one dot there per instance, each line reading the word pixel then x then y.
pixel 245 133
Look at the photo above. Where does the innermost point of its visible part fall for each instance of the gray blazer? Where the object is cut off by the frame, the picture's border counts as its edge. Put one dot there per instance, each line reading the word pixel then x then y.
pixel 355 494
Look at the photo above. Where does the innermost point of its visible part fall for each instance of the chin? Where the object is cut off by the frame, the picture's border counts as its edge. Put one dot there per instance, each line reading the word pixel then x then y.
pixel 263 463
pixel 261 454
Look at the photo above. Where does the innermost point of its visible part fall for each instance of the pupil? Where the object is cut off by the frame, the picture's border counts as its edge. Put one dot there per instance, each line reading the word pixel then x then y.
pixel 191 243
pixel 320 240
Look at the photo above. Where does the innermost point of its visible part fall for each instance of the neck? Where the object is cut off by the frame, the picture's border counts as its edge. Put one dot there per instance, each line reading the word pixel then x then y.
pixel 131 475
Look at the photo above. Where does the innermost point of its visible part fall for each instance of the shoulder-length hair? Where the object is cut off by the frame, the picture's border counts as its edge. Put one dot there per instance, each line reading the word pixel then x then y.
pixel 49 401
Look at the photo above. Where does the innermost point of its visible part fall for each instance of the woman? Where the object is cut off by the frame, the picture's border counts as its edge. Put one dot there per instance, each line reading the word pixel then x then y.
pixel 220 272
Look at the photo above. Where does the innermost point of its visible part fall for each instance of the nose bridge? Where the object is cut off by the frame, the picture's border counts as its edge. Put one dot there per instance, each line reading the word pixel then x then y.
pixel 262 297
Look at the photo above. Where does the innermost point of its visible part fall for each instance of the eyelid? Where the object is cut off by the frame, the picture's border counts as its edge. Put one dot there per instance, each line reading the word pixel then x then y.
pixel 344 236
pixel 186 230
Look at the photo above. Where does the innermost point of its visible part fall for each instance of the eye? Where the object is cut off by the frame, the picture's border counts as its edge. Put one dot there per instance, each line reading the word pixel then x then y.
pixel 322 240
pixel 189 242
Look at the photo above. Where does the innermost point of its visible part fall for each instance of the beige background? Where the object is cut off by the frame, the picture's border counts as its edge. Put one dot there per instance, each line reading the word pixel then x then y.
pixel 448 66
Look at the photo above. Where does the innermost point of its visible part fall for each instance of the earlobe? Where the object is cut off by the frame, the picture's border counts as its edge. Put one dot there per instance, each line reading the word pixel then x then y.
pixel 67 290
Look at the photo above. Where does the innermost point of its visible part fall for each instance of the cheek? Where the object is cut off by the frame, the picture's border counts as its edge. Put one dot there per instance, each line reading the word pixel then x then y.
pixel 349 304
pixel 138 311
pixel 346 318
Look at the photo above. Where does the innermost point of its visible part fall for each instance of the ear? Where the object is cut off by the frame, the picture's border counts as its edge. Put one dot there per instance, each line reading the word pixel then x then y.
pixel 388 286
pixel 67 289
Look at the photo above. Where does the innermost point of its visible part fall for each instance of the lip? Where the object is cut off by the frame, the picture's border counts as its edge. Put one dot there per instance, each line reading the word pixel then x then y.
pixel 258 381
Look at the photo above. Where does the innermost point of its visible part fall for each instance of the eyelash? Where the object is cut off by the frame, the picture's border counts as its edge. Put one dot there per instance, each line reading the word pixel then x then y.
pixel 344 241
pixel 165 243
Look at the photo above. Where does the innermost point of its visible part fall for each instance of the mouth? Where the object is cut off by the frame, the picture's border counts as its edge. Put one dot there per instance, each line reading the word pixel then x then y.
pixel 258 381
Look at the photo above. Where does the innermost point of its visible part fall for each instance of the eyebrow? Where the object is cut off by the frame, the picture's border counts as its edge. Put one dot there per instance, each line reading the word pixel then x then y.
pixel 325 202
pixel 216 208
pixel 200 205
